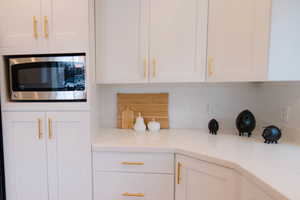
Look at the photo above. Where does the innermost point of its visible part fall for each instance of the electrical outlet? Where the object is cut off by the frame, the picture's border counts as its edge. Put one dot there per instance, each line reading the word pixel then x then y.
pixel 209 109
pixel 285 112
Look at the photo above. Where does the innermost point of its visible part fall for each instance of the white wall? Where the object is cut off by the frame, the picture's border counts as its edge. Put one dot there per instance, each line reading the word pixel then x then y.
pixel 273 99
pixel 191 105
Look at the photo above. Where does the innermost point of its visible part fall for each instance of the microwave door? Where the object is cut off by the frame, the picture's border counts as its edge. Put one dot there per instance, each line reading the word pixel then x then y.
pixel 48 81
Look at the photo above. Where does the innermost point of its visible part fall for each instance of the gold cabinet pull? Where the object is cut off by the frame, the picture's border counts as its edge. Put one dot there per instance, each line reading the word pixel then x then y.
pixel 46 27
pixel 132 163
pixel 50 134
pixel 126 194
pixel 145 68
pixel 154 72
pixel 40 132
pixel 210 66
pixel 35 32
pixel 179 165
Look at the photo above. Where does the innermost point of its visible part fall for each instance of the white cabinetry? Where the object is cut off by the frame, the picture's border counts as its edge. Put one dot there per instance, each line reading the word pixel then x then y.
pixel 250 191
pixel 38 26
pixel 18 19
pixel 196 180
pixel 238 40
pixel 121 46
pixel 159 41
pixel 284 62
pixel 178 40
pixel 133 175
pixel 47 155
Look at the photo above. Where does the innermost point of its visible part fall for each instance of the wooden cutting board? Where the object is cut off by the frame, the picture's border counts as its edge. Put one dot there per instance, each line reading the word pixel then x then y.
pixel 149 105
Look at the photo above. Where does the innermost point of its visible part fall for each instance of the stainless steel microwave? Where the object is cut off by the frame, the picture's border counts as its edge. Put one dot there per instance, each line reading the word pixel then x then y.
pixel 48 77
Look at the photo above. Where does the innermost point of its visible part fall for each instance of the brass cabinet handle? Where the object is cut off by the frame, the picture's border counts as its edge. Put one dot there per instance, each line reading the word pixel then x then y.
pixel 145 68
pixel 179 165
pixel 40 132
pixel 154 72
pixel 132 163
pixel 46 27
pixel 35 32
pixel 210 66
pixel 50 134
pixel 126 194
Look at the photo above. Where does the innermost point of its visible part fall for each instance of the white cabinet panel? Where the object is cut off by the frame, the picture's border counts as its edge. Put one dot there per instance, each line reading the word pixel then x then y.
pixel 69 156
pixel 68 25
pixel 238 40
pixel 121 43
pixel 201 180
pixel 178 38
pixel 111 186
pixel 249 191
pixel 285 43
pixel 125 162
pixel 17 26
pixel 25 156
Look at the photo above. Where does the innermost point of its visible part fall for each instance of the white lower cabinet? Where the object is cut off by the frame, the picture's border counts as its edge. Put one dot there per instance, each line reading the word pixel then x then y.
pixel 196 180
pixel 147 176
pixel 47 155
pixel 118 185
pixel 250 191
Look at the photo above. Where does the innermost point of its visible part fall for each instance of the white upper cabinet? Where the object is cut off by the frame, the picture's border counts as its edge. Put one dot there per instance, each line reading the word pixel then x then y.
pixel 43 26
pixel 238 40
pixel 68 25
pixel 284 64
pixel 141 41
pixel 178 38
pixel 121 46
pixel 20 25
pixel 196 180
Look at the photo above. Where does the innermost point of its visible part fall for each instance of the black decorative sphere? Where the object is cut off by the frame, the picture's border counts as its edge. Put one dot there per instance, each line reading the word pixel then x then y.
pixel 245 123
pixel 271 134
pixel 213 126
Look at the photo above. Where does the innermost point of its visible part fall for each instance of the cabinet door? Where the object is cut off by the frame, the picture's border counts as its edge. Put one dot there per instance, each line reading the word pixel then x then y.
pixel 178 40
pixel 196 180
pixel 250 191
pixel 238 40
pixel 116 185
pixel 67 23
pixel 69 156
pixel 25 155
pixel 285 42
pixel 121 41
pixel 17 30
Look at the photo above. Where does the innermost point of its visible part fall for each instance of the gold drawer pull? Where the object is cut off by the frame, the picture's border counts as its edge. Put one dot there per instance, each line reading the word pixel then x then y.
pixel 46 27
pixel 154 73
pixel 210 66
pixel 133 194
pixel 132 163
pixel 50 134
pixel 40 134
pixel 179 165
pixel 35 32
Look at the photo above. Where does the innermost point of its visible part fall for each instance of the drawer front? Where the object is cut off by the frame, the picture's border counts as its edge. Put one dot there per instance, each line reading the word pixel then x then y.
pixel 134 162
pixel 126 186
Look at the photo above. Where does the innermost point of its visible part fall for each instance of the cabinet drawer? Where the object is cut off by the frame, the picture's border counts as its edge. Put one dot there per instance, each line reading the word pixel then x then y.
pixel 134 162
pixel 118 185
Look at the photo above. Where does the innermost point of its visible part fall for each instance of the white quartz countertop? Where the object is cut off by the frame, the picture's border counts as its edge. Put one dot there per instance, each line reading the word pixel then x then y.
pixel 276 166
